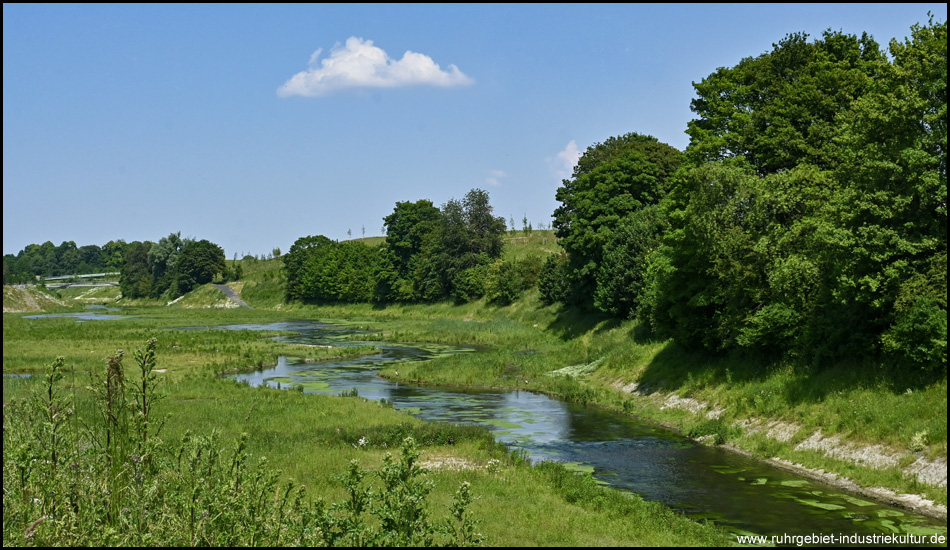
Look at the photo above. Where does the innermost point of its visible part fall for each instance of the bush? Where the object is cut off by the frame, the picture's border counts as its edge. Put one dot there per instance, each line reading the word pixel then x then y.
pixel 469 284
pixel 504 284
pixel 554 280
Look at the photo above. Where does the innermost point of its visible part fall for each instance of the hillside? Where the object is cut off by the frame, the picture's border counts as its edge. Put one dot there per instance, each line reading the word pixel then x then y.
pixel 30 298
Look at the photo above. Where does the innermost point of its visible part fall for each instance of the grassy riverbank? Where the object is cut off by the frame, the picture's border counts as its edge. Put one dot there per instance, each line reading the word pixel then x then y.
pixel 862 421
pixel 308 438
pixel 858 420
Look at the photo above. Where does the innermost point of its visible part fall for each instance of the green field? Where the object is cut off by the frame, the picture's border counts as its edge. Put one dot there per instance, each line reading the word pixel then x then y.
pixel 312 439
pixel 309 440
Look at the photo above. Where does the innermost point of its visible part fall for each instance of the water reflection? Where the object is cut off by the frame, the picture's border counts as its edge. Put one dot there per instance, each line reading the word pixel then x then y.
pixel 85 316
pixel 705 482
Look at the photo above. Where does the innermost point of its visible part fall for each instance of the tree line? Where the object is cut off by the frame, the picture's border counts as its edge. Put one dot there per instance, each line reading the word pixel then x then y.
pixel 169 268
pixel 49 260
pixel 430 254
pixel 807 217
pixel 172 267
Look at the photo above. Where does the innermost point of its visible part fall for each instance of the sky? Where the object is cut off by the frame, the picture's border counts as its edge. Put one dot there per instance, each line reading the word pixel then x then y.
pixel 252 125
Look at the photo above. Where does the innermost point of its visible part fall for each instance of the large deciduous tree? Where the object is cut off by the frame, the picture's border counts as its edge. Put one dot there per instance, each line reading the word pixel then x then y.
pixel 163 260
pixel 296 262
pixel 198 264
pixel 135 279
pixel 407 229
pixel 779 109
pixel 813 219
pixel 612 180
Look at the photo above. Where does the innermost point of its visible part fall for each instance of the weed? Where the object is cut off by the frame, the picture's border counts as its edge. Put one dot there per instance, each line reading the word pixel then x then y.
pixel 918 442
pixel 117 484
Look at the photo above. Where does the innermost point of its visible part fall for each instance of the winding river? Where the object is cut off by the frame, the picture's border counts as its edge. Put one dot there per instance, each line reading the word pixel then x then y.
pixel 706 483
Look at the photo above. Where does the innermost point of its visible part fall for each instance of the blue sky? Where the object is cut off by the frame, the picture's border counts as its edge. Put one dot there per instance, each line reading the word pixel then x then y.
pixel 254 125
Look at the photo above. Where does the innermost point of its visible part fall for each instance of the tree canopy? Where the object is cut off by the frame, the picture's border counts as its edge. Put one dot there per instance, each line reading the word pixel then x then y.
pixel 812 219
pixel 612 180
pixel 430 254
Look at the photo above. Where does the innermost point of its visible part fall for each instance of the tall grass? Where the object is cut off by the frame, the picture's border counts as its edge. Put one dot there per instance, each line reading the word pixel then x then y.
pixel 309 439
pixel 109 480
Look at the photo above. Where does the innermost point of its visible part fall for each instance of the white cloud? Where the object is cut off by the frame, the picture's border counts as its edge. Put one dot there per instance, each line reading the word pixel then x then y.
pixel 565 161
pixel 360 64
pixel 494 177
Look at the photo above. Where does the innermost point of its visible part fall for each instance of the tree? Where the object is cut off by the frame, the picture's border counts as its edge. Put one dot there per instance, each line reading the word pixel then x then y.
pixel 200 262
pixel 90 259
pixel 554 279
pixel 892 215
pixel 432 249
pixel 779 109
pixel 163 260
pixel 611 180
pixel 471 236
pixel 296 260
pixel 135 280
pixel 67 258
pixel 485 230
pixel 620 279
pixel 112 254
pixel 813 223
pixel 407 228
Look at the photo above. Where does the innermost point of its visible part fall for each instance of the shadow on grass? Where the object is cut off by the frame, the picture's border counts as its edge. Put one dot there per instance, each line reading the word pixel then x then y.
pixel 569 322
pixel 676 367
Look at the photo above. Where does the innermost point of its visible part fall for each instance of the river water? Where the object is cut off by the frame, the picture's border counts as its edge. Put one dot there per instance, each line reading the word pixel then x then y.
pixel 706 483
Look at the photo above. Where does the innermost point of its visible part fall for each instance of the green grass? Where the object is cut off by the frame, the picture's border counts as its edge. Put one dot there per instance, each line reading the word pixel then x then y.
pixel 519 244
pixel 311 438
pixel 89 295
pixel 862 404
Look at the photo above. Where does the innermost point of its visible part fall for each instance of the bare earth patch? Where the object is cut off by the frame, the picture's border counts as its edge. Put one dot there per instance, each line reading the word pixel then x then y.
pixel 25 299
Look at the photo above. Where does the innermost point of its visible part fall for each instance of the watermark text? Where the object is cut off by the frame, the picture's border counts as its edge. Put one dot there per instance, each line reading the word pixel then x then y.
pixel 821 539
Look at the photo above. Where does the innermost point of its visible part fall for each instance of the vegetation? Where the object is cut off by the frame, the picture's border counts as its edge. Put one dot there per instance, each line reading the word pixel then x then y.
pixel 171 267
pixel 49 260
pixel 310 439
pixel 612 180
pixel 429 254
pixel 114 483
pixel 808 221
pixel 788 268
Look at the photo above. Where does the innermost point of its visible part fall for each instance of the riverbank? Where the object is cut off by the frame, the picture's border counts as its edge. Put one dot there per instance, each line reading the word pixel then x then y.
pixel 308 439
pixel 582 359
pixel 880 436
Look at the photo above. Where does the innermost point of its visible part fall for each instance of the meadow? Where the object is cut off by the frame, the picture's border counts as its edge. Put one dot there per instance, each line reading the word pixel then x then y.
pixel 223 444
pixel 313 439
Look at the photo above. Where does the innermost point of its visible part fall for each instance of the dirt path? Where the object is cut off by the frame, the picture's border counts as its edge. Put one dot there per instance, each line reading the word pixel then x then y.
pixel 233 296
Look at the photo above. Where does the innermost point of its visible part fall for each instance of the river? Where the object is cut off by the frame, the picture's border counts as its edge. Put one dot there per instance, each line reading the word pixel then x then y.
pixel 706 483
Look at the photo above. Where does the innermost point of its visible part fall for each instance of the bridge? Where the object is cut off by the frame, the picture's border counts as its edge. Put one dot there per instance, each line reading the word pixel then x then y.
pixel 84 280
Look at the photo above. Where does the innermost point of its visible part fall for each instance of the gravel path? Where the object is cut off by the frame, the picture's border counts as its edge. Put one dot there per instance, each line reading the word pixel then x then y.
pixel 233 296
